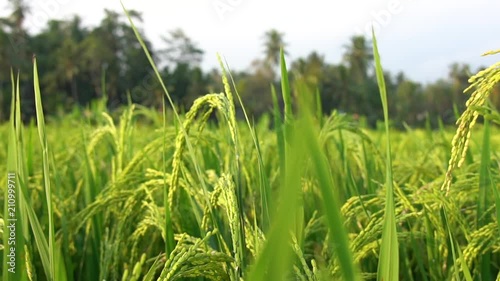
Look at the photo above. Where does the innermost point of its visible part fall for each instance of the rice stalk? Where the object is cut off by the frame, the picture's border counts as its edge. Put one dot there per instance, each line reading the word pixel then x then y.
pixel 230 114
pixel 331 205
pixel 389 251
pixel 46 173
pixel 273 260
pixel 13 204
pixel 483 83
pixel 212 100
pixel 192 258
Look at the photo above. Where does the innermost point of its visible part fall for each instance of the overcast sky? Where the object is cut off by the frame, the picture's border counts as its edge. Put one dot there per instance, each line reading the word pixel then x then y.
pixel 419 37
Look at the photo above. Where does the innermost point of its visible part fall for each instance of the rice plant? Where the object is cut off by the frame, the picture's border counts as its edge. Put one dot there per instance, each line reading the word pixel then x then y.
pixel 139 196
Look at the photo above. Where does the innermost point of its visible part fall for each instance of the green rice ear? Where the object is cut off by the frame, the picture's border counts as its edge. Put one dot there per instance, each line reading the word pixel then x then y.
pixel 482 83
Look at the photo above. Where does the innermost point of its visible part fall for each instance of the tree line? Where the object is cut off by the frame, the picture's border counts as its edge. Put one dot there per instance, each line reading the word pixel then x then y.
pixel 78 64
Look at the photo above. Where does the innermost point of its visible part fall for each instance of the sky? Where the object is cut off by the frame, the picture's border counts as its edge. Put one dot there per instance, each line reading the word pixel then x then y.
pixel 419 37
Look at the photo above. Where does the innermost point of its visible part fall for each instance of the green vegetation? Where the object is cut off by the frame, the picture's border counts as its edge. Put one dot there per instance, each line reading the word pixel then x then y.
pixel 141 194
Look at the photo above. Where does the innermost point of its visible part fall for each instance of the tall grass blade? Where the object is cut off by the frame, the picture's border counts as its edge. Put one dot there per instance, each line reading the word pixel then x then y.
pixel 319 107
pixel 388 267
pixel 90 192
pixel 278 129
pixel 465 268
pixel 23 174
pixel 26 213
pixel 454 250
pixel 45 166
pixel 264 183
pixel 273 261
pixel 484 201
pixel 150 275
pixel 13 267
pixel 338 234
pixel 169 229
pixel 265 188
pixel 285 89
pixel 302 91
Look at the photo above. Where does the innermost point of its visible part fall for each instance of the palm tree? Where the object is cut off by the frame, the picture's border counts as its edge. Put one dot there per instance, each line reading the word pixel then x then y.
pixel 310 69
pixel 68 55
pixel 273 43
pixel 359 57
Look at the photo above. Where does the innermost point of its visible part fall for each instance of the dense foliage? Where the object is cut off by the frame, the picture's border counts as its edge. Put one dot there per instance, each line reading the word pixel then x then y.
pixel 74 60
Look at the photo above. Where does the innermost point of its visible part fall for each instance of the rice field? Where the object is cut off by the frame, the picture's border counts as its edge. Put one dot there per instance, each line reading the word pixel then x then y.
pixel 297 195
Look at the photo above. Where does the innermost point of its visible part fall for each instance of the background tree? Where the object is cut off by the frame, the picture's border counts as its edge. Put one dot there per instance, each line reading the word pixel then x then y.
pixel 184 78
pixel 5 95
pixel 181 49
pixel 112 50
pixel 335 88
pixel 310 69
pixel 459 75
pixel 255 88
pixel 73 60
pixel 58 50
pixel 407 92
pixel 18 36
pixel 439 104
pixel 273 42
pixel 359 58
pixel 15 55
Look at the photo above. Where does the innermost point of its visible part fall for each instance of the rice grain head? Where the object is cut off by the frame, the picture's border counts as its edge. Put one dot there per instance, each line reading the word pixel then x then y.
pixel 482 83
